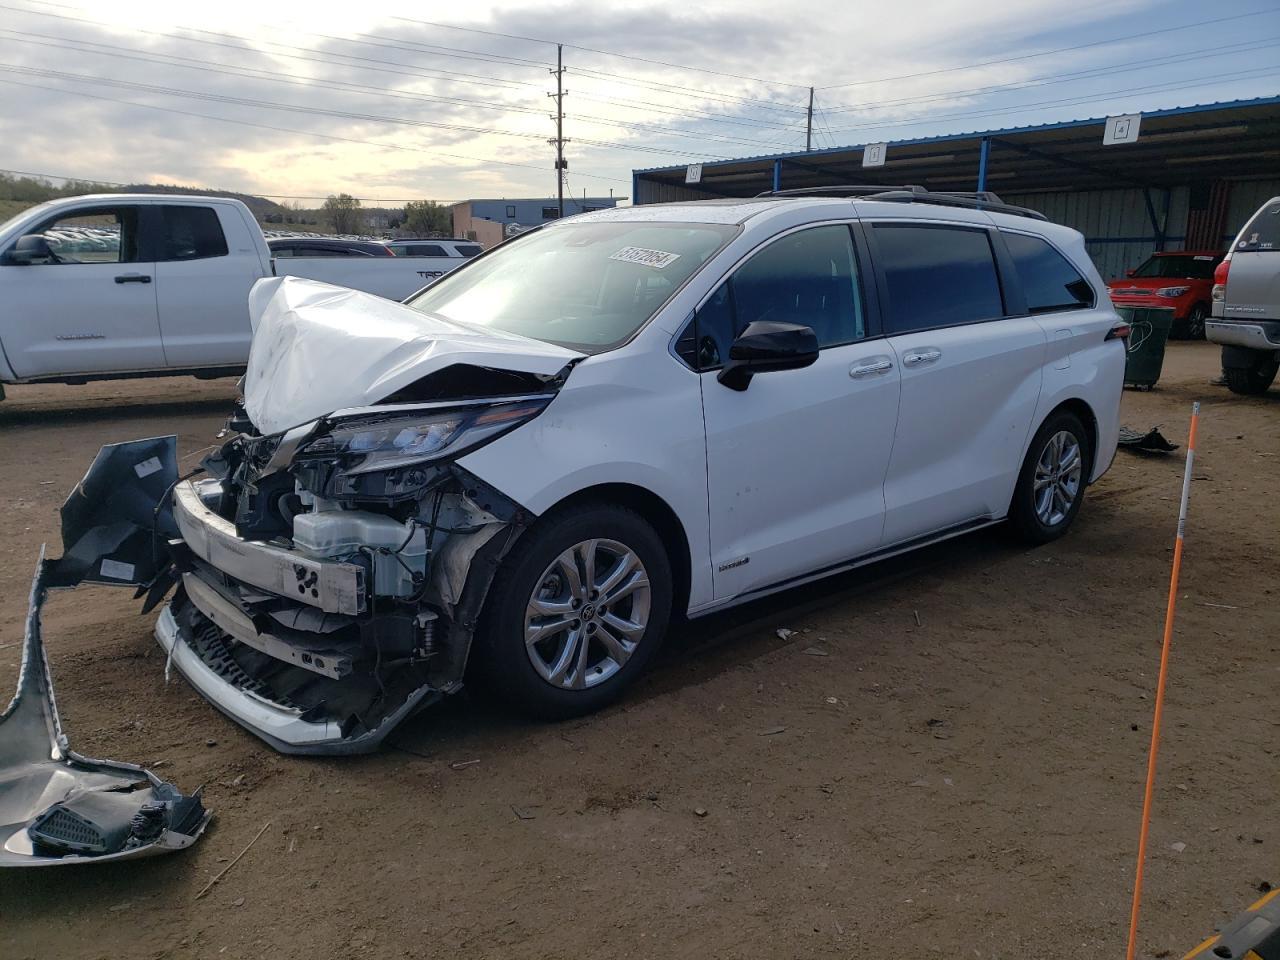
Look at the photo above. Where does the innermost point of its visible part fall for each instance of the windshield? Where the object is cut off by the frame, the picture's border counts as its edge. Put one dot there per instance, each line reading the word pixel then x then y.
pixel 1179 268
pixel 585 286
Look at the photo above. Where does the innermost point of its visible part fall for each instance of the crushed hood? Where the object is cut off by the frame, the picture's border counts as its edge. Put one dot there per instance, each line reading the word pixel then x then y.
pixel 319 348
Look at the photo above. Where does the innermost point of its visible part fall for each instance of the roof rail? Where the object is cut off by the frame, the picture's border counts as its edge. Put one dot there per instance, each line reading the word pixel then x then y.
pixel 975 200
pixel 842 190
pixel 913 193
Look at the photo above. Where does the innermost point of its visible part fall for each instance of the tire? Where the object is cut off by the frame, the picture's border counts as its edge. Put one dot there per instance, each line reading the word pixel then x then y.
pixel 1034 516
pixel 1251 380
pixel 547 679
pixel 1194 324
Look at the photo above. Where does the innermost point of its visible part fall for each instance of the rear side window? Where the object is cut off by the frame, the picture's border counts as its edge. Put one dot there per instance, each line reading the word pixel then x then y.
pixel 809 278
pixel 1262 235
pixel 424 250
pixel 190 233
pixel 468 249
pixel 1049 281
pixel 937 276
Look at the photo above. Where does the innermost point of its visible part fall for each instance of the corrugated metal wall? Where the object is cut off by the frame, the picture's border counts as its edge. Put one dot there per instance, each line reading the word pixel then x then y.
pixel 1115 224
pixel 1246 197
pixel 650 191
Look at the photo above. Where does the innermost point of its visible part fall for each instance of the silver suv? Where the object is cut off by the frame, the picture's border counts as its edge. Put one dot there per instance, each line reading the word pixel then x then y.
pixel 1246 304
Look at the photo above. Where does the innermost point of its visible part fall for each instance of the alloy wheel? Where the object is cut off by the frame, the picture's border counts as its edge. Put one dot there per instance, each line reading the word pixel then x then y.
pixel 1057 479
pixel 587 615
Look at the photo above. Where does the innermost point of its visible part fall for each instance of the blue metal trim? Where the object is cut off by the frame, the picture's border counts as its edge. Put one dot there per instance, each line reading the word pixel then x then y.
pixel 777 175
pixel 974 134
pixel 982 163
pixel 635 188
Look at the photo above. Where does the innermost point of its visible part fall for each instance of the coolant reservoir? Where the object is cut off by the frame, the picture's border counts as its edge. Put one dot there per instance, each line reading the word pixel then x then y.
pixel 348 534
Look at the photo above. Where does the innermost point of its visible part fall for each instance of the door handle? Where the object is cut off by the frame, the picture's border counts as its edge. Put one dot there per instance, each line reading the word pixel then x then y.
pixel 871 368
pixel 133 278
pixel 921 357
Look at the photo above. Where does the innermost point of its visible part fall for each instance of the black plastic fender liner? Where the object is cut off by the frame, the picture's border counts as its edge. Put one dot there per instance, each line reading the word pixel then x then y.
pixel 118 518
pixel 58 807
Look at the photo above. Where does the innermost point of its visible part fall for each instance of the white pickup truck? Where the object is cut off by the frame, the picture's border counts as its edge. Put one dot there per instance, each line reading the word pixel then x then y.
pixel 119 285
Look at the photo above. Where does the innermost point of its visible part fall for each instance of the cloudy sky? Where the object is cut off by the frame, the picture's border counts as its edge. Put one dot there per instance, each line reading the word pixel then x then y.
pixel 290 99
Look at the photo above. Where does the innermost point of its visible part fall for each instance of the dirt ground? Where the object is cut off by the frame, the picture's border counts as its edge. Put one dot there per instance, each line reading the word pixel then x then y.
pixel 945 759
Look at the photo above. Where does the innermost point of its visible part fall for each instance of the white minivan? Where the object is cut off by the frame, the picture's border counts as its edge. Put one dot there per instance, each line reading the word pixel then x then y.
pixel 523 473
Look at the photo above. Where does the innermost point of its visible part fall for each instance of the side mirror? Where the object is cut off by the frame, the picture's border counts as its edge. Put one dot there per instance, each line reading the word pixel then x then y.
pixel 28 250
pixel 765 346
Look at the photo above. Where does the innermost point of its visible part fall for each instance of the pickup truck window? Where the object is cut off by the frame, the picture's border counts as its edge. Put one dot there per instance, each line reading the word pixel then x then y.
pixel 190 233
pixel 94 235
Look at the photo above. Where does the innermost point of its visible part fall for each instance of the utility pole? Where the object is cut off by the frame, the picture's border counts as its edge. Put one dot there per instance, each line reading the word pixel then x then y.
pixel 808 130
pixel 559 141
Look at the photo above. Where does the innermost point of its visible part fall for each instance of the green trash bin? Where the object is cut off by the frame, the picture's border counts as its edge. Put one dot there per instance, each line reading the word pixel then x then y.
pixel 1148 333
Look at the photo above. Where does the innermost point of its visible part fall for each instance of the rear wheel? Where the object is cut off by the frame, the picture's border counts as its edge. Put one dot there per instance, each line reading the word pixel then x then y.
pixel 577 610
pixel 1051 485
pixel 1254 378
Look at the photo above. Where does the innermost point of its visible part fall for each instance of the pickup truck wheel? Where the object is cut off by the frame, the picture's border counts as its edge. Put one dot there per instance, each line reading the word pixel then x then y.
pixel 1253 379
pixel 576 612
pixel 1051 485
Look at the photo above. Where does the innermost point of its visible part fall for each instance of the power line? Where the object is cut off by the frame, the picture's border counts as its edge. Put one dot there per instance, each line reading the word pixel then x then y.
pixel 312 111
pixel 1046 53
pixel 1053 79
pixel 605 53
pixel 213 66
pixel 305 133
pixel 1255 73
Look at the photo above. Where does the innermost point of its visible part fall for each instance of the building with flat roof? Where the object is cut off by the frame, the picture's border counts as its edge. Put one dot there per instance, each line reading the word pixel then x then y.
pixel 1185 178
pixel 487 220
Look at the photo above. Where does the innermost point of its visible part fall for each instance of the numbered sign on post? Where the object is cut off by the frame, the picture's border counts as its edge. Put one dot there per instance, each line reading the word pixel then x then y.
pixel 1121 129
pixel 693 173
pixel 873 154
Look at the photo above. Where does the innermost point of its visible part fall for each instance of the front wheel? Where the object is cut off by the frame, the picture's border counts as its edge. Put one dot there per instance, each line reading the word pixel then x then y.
pixel 1051 485
pixel 1253 379
pixel 576 611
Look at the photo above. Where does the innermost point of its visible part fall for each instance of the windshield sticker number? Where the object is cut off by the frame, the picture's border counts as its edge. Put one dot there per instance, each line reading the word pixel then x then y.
pixel 658 259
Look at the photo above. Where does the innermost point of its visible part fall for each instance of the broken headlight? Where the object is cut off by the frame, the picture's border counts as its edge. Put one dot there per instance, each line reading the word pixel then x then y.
pixel 366 444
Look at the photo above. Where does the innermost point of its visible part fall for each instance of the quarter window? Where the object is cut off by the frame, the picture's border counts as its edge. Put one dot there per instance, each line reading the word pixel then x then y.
pixel 1049 281
pixel 190 233
pixel 422 250
pixel 937 276
pixel 808 278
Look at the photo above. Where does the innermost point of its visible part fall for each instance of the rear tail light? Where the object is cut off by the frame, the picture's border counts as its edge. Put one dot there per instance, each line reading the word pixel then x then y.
pixel 1220 281
pixel 1119 331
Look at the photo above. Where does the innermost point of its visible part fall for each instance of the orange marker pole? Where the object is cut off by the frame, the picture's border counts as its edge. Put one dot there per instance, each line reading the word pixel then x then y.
pixel 1164 672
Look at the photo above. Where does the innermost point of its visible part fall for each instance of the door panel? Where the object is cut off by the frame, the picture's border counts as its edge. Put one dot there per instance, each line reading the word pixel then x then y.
pixel 963 423
pixel 796 466
pixel 92 309
pixel 796 462
pixel 202 287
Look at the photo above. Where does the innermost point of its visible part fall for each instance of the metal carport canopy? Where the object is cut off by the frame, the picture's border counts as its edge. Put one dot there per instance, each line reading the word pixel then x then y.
pixel 1231 140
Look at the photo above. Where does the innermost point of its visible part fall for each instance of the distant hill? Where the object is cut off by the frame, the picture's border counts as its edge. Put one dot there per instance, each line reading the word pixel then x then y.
pixel 17 193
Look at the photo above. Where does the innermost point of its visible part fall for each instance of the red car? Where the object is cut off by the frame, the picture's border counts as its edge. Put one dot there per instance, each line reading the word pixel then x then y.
pixel 1182 279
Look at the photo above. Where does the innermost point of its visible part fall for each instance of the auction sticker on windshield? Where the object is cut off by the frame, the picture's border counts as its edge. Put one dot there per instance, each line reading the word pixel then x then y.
pixel 658 259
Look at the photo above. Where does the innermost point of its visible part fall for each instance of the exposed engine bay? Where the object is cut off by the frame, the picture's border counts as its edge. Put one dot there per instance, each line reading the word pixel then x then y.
pixel 332 579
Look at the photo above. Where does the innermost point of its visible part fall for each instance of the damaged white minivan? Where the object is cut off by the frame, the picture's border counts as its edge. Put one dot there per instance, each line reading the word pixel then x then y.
pixel 523 473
